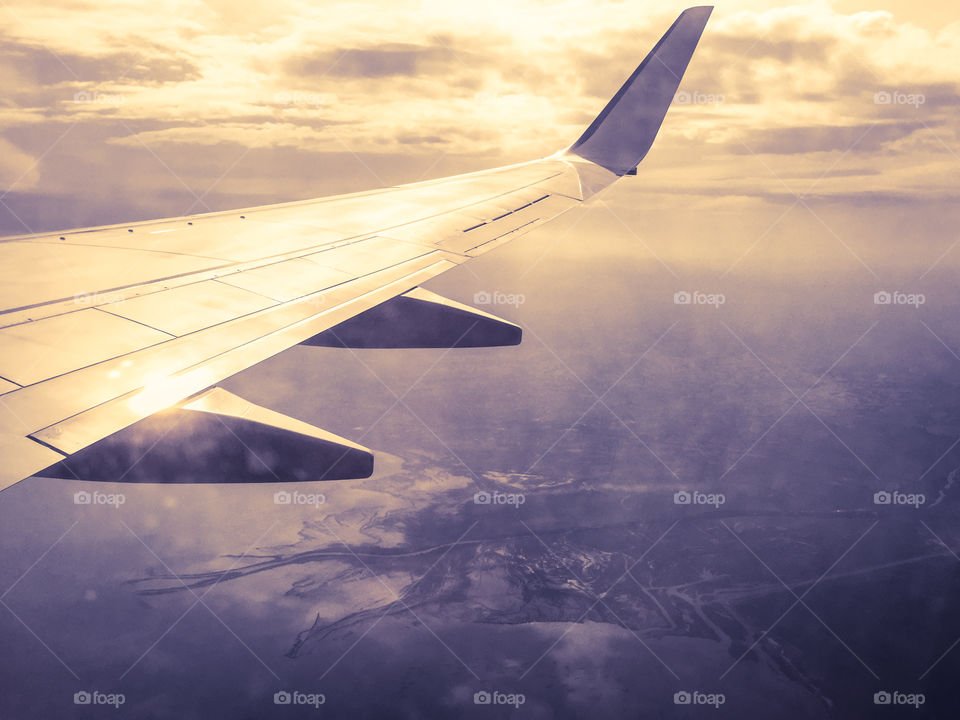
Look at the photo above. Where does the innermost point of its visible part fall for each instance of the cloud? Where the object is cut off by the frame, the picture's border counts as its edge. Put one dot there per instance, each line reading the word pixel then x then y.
pixel 18 169
pixel 784 51
pixel 798 140
pixel 40 65
pixel 507 82
pixel 373 62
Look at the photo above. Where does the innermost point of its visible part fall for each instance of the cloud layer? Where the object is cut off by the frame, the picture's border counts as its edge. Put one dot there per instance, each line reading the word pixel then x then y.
pixel 134 98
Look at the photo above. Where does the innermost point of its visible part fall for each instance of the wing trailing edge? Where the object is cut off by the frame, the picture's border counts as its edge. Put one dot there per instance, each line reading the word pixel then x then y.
pixel 420 319
pixel 217 437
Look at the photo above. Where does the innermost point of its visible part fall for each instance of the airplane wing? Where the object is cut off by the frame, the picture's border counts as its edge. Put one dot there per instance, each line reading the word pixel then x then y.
pixel 113 339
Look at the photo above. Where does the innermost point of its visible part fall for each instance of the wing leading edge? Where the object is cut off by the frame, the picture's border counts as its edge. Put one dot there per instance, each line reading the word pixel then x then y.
pixel 163 311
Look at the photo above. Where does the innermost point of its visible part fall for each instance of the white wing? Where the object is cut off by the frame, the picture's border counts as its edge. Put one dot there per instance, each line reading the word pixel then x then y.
pixel 104 327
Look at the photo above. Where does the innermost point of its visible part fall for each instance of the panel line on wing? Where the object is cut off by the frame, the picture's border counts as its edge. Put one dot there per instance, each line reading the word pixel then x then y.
pixel 133 320
pixel 42 403
pixel 137 249
pixel 119 411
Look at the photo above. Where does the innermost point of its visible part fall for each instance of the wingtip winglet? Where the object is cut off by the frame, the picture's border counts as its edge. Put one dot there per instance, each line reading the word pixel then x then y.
pixel 620 136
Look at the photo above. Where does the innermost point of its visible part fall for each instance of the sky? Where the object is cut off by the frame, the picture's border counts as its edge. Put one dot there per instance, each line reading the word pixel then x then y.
pixel 122 110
